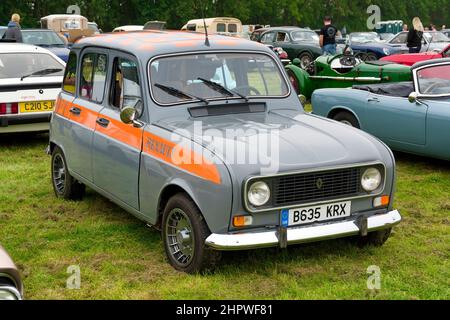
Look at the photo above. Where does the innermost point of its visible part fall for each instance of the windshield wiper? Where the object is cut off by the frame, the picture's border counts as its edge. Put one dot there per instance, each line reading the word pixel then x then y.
pixel 178 93
pixel 41 73
pixel 219 88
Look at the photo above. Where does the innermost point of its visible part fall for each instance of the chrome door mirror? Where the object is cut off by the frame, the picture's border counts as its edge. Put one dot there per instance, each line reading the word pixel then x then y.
pixel 302 99
pixel 128 115
pixel 413 97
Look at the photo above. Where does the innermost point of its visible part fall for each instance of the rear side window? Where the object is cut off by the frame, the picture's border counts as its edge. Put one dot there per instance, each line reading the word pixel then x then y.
pixel 70 76
pixel 191 27
pixel 93 77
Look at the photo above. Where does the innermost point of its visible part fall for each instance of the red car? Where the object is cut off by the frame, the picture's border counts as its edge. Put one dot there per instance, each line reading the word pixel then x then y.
pixel 411 58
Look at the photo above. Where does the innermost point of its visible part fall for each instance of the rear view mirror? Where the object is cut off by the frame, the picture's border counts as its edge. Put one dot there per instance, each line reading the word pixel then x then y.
pixel 302 99
pixel 128 115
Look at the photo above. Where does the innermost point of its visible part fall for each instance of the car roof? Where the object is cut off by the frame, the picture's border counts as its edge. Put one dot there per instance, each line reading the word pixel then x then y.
pixel 287 29
pixel 150 43
pixel 430 62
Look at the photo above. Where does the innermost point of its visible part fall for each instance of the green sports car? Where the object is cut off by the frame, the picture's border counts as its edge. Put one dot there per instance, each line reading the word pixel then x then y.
pixel 343 71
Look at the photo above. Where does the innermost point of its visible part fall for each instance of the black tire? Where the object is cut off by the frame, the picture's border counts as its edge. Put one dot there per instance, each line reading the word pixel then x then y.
pixel 201 258
pixel 305 59
pixel 370 56
pixel 347 118
pixel 375 238
pixel 64 185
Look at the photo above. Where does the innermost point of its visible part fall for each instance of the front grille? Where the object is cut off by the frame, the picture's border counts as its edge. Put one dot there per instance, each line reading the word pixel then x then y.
pixel 316 186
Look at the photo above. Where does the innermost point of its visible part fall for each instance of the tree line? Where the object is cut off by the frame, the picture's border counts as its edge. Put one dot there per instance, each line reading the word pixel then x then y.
pixel 351 14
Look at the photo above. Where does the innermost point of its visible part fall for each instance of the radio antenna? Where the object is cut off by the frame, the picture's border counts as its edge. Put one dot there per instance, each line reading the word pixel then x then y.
pixel 204 26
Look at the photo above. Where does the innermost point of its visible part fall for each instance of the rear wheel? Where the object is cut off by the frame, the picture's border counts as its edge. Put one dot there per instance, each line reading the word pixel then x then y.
pixel 64 185
pixel 184 233
pixel 347 118
pixel 376 238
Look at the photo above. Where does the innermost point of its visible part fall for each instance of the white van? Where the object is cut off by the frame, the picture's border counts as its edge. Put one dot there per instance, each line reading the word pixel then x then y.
pixel 222 25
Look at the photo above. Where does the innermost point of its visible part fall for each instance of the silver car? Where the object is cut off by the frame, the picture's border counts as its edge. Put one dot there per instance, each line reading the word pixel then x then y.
pixel 216 165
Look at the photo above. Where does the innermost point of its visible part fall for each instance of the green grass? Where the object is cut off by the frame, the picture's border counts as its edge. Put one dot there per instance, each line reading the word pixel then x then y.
pixel 121 258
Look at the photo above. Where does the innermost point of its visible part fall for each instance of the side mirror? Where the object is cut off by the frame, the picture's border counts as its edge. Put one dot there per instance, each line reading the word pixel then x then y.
pixel 302 99
pixel 296 62
pixel 128 116
pixel 413 96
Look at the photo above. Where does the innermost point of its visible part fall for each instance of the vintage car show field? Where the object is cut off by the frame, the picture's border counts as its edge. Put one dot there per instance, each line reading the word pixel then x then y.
pixel 120 258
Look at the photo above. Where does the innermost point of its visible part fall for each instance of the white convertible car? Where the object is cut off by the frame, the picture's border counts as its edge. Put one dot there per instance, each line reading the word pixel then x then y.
pixel 30 80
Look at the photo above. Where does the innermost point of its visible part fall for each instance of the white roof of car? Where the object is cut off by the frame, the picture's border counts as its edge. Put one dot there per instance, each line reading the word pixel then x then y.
pixel 129 28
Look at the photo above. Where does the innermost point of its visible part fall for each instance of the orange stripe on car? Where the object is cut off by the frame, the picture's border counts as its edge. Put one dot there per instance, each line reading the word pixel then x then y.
pixel 122 132
pixel 183 158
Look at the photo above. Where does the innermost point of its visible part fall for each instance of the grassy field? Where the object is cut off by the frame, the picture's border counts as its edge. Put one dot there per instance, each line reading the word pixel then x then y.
pixel 120 258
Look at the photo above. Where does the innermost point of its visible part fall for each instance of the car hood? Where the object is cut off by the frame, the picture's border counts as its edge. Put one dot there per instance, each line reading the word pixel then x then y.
pixel 281 140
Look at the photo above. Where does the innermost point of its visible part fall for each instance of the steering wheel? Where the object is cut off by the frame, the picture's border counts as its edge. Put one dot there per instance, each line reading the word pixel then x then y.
pixel 432 86
pixel 247 89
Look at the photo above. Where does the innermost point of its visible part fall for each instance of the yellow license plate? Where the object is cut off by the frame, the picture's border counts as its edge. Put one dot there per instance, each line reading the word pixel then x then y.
pixel 36 106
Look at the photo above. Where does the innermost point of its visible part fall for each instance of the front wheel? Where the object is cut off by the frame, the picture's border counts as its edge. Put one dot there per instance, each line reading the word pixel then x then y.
pixel 184 233
pixel 375 238
pixel 64 185
pixel 347 118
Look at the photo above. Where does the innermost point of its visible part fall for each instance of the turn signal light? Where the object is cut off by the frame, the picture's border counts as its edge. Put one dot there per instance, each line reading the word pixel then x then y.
pixel 381 201
pixel 242 221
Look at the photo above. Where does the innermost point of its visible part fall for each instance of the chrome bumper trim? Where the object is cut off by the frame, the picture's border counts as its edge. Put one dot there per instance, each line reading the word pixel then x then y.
pixel 295 235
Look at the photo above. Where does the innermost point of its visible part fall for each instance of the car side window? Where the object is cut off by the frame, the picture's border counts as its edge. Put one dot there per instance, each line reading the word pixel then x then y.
pixel 126 88
pixel 232 28
pixel 267 37
pixel 70 75
pixel 282 37
pixel 93 77
pixel 401 38
pixel 191 27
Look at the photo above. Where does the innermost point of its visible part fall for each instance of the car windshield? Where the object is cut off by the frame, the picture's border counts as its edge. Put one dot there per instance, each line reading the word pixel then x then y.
pixel 436 37
pixel 17 65
pixel 364 37
pixel 305 36
pixel 182 78
pixel 42 38
pixel 434 80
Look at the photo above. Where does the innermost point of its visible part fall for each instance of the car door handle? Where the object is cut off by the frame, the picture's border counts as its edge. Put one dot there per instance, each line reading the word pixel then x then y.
pixel 103 122
pixel 373 99
pixel 75 110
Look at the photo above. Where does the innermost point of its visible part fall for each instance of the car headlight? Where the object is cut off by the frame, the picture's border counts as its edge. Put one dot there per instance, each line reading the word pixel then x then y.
pixel 258 194
pixel 9 293
pixel 386 51
pixel 371 179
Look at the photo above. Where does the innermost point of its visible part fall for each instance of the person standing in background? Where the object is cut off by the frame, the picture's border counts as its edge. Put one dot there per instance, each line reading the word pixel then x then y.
pixel 328 37
pixel 405 27
pixel 415 36
pixel 13 32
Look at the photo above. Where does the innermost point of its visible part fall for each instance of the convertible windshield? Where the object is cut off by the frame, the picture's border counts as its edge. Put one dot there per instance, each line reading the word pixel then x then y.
pixel 215 76
pixel 434 80
pixel 17 65
pixel 364 37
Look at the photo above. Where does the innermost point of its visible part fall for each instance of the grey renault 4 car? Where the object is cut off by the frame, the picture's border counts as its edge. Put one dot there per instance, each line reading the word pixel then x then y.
pixel 206 140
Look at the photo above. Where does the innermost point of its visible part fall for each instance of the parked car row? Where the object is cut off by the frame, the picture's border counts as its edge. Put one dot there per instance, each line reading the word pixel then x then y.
pixel 121 115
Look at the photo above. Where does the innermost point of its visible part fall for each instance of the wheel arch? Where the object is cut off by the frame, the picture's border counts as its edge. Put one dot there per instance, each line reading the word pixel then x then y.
pixel 167 192
pixel 335 110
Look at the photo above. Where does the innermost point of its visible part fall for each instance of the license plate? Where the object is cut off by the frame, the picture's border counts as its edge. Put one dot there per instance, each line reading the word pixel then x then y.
pixel 36 106
pixel 298 216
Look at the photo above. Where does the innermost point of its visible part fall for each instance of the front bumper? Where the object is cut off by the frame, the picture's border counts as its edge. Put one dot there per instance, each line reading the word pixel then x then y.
pixel 296 235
